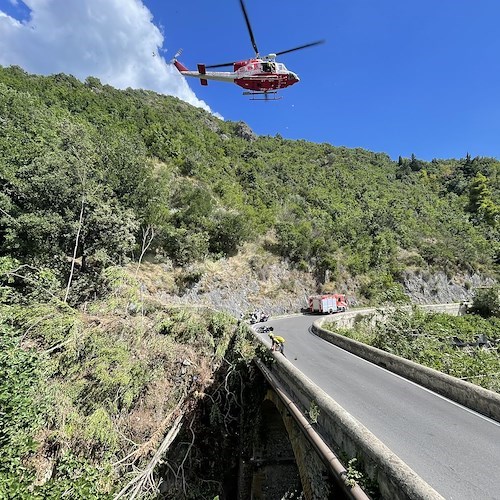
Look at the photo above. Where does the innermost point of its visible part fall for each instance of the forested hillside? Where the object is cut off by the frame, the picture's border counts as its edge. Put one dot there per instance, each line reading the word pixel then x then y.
pixel 123 165
pixel 95 181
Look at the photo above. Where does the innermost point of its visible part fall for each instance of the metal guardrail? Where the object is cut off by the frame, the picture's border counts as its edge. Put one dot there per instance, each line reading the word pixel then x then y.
pixel 339 472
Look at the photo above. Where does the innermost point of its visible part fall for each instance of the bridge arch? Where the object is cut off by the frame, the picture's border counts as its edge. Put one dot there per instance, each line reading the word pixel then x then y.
pixel 283 461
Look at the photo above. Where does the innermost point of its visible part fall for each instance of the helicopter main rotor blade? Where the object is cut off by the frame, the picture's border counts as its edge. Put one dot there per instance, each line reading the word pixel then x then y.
pixel 252 39
pixel 249 27
pixel 312 44
pixel 223 65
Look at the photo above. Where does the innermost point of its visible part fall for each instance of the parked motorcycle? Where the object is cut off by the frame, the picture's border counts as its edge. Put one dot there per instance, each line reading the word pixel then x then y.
pixel 257 317
pixel 264 329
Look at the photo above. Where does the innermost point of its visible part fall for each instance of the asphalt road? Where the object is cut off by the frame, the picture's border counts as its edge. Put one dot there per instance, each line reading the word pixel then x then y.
pixel 454 449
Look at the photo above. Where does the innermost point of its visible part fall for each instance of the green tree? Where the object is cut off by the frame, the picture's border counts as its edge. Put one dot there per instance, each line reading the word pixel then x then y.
pixel 487 301
pixel 481 203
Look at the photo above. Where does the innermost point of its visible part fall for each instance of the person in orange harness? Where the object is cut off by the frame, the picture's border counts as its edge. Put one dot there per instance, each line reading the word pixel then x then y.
pixel 277 343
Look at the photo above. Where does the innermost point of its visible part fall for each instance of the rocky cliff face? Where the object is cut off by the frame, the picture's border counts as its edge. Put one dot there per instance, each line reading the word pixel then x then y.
pixel 239 289
pixel 438 288
pixel 262 281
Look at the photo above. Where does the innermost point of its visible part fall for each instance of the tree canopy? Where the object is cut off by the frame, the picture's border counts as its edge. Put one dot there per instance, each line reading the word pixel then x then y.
pixel 89 160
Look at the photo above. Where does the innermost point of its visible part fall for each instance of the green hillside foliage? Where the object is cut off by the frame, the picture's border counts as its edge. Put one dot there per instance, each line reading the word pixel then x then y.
pixel 92 179
pixel 131 161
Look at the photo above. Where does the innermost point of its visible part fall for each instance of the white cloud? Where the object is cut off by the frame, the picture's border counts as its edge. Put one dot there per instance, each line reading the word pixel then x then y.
pixel 113 40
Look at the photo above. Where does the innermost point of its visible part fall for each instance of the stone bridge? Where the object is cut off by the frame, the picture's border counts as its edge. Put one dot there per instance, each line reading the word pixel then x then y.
pixel 301 433
pixel 288 455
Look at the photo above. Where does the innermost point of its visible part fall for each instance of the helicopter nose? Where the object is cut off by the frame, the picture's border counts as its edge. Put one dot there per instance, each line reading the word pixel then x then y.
pixel 293 77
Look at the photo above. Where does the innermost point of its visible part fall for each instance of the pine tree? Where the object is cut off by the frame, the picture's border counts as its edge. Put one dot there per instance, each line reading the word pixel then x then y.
pixel 481 202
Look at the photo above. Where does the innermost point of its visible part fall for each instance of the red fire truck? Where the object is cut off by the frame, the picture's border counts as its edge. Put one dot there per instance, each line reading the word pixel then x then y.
pixel 327 303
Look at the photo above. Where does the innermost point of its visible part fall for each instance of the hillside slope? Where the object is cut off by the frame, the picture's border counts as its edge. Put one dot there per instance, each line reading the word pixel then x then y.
pixel 121 210
pixel 119 167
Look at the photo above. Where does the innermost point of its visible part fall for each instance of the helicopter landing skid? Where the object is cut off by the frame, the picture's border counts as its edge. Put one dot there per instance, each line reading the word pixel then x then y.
pixel 263 96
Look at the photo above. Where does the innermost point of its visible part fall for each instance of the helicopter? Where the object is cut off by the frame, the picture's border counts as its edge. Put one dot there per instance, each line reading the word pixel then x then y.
pixel 261 77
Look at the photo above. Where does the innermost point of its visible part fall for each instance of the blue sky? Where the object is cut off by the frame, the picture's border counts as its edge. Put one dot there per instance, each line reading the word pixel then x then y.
pixel 395 76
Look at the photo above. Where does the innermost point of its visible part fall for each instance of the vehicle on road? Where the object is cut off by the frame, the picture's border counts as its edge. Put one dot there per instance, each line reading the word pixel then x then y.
pixel 327 303
pixel 258 317
pixel 264 329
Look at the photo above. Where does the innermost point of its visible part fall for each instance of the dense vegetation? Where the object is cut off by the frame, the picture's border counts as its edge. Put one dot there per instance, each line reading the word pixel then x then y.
pixel 446 343
pixel 115 166
pixel 87 396
pixel 93 179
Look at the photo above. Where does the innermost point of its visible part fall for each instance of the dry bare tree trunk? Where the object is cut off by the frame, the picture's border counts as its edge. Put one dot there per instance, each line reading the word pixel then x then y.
pixel 77 241
pixel 148 235
pixel 82 174
pixel 145 478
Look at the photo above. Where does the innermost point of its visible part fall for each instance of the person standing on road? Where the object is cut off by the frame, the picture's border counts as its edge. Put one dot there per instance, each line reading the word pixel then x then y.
pixel 277 343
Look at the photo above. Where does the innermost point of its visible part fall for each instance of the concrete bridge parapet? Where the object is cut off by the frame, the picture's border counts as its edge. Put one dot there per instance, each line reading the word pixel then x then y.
pixel 346 436
pixel 467 394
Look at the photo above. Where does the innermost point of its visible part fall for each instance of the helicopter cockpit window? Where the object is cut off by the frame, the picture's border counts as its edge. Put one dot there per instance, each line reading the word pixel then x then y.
pixel 268 67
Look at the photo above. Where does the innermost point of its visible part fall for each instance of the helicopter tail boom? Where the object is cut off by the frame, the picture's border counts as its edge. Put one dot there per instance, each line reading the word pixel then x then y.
pixel 202 74
pixel 184 71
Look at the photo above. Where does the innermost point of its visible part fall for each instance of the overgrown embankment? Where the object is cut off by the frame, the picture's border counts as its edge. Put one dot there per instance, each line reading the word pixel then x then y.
pixel 466 347
pixel 92 398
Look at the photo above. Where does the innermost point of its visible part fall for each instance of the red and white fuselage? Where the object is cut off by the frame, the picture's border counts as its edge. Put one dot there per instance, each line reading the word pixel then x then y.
pixel 255 75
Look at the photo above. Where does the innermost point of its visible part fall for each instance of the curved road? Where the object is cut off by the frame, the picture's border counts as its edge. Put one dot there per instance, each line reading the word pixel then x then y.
pixel 454 449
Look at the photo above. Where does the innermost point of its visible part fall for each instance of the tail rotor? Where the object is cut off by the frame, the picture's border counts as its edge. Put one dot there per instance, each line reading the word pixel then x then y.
pixel 177 54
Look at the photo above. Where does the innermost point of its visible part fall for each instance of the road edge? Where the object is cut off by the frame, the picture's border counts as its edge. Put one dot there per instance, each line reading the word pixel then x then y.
pixel 465 393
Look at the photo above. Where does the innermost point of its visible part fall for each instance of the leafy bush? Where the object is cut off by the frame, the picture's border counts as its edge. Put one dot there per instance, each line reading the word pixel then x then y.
pixel 380 288
pixel 426 338
pixel 487 301
pixel 22 408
